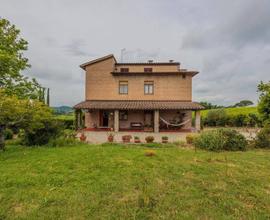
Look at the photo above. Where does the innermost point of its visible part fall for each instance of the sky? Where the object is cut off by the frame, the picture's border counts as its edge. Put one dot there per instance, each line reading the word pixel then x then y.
pixel 227 41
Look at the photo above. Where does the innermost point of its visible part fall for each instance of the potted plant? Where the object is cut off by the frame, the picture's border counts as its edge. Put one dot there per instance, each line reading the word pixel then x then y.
pixel 110 137
pixel 165 139
pixel 83 137
pixel 149 139
pixel 137 139
pixel 126 138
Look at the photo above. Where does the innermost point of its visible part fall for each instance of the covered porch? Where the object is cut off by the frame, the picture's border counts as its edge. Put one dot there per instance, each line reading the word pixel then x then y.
pixel 138 116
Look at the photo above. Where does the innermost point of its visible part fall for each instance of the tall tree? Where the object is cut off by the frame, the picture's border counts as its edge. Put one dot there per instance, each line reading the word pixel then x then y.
pixel 243 103
pixel 264 101
pixel 48 97
pixel 12 62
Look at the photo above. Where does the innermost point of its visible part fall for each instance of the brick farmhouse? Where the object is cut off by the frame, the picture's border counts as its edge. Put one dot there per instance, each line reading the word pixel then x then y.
pixel 148 97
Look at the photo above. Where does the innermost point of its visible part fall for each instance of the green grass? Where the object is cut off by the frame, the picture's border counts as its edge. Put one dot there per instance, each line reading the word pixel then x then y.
pixel 65 117
pixel 235 111
pixel 120 182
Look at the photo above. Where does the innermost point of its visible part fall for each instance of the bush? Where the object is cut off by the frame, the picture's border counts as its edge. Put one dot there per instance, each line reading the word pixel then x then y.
pixel 149 139
pixel 68 123
pixel 262 139
pixel 190 138
pixel 216 117
pixel 8 134
pixel 41 136
pixel 221 139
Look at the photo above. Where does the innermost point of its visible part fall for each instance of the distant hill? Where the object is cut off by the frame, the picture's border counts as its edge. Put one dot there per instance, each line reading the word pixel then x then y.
pixel 235 111
pixel 62 110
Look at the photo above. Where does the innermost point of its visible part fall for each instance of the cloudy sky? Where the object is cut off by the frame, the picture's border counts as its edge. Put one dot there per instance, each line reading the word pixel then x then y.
pixel 228 41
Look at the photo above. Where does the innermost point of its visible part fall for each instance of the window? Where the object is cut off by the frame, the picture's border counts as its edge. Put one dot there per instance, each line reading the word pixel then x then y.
pixel 149 87
pixel 184 76
pixel 123 115
pixel 148 70
pixel 124 70
pixel 123 87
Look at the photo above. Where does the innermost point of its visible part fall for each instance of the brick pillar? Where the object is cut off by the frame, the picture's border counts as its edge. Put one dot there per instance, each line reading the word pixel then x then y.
pixel 198 120
pixel 156 121
pixel 116 120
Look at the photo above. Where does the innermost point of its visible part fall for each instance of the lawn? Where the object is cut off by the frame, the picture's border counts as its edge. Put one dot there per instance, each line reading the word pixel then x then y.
pixel 120 182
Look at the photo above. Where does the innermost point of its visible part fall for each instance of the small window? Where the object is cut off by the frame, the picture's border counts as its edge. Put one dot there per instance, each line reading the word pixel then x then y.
pixel 123 87
pixel 148 87
pixel 123 115
pixel 184 76
pixel 148 70
pixel 124 70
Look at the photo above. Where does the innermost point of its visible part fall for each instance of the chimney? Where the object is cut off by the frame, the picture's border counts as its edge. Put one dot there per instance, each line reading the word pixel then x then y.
pixel 171 61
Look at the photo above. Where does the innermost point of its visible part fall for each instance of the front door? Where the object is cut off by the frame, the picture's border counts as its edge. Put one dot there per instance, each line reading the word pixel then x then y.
pixel 104 118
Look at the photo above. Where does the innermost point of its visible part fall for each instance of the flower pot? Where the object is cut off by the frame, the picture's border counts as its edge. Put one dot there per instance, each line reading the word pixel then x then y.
pixel 110 138
pixel 83 137
pixel 137 141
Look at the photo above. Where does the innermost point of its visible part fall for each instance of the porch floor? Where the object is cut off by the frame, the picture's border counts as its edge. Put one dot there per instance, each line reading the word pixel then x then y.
pixel 98 137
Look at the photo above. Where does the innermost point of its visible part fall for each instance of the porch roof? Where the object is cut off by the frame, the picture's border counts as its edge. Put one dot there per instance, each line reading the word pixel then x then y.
pixel 138 105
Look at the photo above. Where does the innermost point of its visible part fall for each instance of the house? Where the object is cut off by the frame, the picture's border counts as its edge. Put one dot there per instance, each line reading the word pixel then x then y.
pixel 149 96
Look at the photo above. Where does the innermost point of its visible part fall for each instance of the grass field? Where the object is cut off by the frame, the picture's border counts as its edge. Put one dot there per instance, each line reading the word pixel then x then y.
pixel 235 111
pixel 120 182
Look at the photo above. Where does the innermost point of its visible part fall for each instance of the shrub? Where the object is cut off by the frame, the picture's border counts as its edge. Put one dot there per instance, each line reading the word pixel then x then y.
pixel 190 138
pixel 149 153
pixel 8 134
pixel 137 139
pixel 68 123
pixel 40 136
pixel 262 139
pixel 164 139
pixel 221 139
pixel 149 139
pixel 216 117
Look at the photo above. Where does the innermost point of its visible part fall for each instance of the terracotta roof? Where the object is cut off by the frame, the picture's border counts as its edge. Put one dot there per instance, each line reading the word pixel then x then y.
pixel 97 60
pixel 138 105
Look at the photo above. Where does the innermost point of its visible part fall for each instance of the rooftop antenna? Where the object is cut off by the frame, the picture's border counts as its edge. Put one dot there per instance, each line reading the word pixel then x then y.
pixel 122 54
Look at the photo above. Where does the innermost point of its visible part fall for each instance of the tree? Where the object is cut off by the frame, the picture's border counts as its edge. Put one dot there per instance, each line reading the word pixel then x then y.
pixel 264 101
pixel 12 62
pixel 24 113
pixel 208 105
pixel 243 103
pixel 48 97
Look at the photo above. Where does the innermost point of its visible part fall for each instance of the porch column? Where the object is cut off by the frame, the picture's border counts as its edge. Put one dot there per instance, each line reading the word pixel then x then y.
pixel 197 120
pixel 156 121
pixel 116 120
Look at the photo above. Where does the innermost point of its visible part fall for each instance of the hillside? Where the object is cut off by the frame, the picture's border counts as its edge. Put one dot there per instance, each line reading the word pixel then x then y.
pixel 63 109
pixel 235 111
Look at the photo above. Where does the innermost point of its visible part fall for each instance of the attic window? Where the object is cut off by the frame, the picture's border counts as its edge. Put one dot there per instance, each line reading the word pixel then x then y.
pixel 124 70
pixel 148 70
